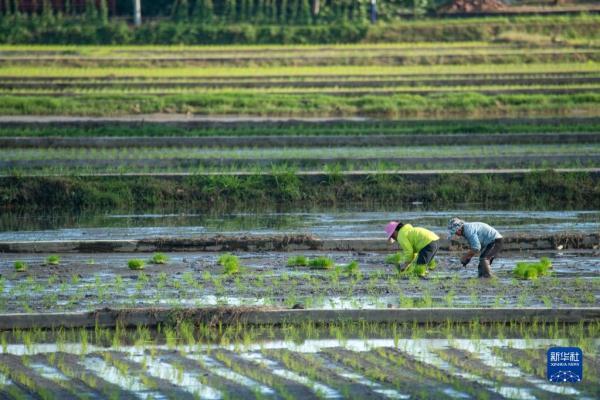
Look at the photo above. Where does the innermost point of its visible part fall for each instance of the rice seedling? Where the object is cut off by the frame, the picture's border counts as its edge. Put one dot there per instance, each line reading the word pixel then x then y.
pixel 20 266
pixel 321 263
pixel 531 271
pixel 394 259
pixel 297 261
pixel 53 260
pixel 352 269
pixel 159 258
pixel 230 264
pixel 136 264
pixel 414 270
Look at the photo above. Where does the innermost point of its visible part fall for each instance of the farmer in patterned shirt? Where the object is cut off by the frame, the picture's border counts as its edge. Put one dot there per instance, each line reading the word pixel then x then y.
pixel 483 240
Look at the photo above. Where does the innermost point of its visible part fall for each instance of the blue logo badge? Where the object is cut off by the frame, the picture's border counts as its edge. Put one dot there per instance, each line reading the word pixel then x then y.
pixel 565 364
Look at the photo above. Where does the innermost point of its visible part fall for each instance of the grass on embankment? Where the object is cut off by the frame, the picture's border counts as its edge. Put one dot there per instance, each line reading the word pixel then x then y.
pixel 398 105
pixel 539 190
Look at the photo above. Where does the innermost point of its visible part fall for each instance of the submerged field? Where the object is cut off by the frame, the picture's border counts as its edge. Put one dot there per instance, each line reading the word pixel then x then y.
pixel 355 361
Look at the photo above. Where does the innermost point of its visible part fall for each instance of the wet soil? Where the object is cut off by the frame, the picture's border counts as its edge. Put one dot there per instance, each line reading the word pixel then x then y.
pixel 196 279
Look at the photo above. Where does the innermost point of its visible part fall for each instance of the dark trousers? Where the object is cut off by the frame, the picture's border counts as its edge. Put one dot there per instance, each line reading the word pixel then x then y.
pixel 491 250
pixel 427 253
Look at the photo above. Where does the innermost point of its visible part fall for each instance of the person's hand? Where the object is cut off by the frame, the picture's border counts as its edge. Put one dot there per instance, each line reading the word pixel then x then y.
pixel 403 267
pixel 464 260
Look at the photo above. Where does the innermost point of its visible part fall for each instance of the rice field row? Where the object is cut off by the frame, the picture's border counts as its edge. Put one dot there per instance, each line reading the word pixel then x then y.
pixel 228 72
pixel 379 368
pixel 317 52
pixel 157 153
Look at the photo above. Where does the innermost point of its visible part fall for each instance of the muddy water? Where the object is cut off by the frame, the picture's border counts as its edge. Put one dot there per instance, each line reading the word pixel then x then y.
pixel 345 224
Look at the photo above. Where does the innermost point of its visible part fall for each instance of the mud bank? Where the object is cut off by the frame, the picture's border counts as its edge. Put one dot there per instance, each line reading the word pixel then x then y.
pixel 107 318
pixel 259 243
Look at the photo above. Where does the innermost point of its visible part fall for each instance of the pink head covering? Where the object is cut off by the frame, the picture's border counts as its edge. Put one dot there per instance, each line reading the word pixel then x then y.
pixel 390 228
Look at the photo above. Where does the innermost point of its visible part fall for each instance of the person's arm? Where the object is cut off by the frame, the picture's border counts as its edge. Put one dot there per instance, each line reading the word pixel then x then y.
pixel 474 244
pixel 407 250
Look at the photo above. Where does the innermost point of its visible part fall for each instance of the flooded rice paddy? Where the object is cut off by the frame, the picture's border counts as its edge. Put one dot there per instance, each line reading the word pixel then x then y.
pixel 90 281
pixel 342 224
pixel 354 361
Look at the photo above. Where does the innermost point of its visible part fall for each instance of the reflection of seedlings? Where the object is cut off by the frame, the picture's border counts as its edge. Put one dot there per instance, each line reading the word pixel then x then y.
pixel 20 266
pixel 297 261
pixel 159 258
pixel 321 263
pixel 91 261
pixel 136 264
pixel 230 264
pixel 532 271
pixel 53 260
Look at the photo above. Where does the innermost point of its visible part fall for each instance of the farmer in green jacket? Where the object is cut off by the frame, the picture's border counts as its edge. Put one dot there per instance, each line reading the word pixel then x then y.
pixel 413 240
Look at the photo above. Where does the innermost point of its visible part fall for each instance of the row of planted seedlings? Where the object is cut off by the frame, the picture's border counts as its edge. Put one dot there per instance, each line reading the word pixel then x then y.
pixel 378 356
pixel 290 128
pixel 372 167
pixel 322 284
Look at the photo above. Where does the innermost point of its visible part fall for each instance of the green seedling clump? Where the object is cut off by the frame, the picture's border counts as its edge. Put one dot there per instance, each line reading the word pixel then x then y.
pixel 396 259
pixel 230 263
pixel 532 271
pixel 53 260
pixel 136 264
pixel 432 265
pixel 298 261
pixel 20 266
pixel 352 269
pixel 414 270
pixel 321 263
pixel 159 258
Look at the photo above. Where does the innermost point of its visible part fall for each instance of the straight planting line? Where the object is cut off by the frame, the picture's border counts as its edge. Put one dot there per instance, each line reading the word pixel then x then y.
pixel 432 173
pixel 203 120
pixel 258 161
pixel 301 77
pixel 108 318
pixel 266 141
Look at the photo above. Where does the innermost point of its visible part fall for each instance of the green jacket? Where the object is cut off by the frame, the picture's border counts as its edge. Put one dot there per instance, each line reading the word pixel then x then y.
pixel 412 240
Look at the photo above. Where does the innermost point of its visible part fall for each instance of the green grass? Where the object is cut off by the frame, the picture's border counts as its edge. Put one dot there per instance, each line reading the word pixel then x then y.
pixel 297 261
pixel 543 190
pixel 53 259
pixel 136 264
pixel 321 263
pixel 20 266
pixel 230 264
pixel 159 258
pixel 531 271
